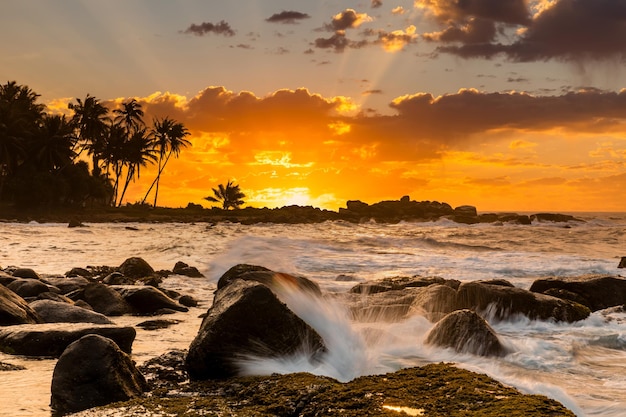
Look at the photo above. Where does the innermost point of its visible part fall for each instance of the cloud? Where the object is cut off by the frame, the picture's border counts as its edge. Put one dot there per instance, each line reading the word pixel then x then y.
pixel 339 42
pixel 398 10
pixel 565 30
pixel 205 28
pixel 456 12
pixel 376 3
pixel 396 40
pixel 288 17
pixel 348 19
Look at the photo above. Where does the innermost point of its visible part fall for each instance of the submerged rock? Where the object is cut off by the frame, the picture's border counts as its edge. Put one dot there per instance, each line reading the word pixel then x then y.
pixel 50 340
pixel 93 371
pixel 247 319
pixel 466 332
pixel 148 300
pixel 182 268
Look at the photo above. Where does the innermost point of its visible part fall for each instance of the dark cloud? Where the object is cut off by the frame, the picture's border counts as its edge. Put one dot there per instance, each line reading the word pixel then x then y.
pixel 475 30
pixel 289 17
pixel 457 11
pixel 374 91
pixel 339 42
pixel 205 28
pixel 567 30
pixel 376 3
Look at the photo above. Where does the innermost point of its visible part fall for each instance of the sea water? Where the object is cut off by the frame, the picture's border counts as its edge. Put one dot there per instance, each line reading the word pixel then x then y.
pixel 582 364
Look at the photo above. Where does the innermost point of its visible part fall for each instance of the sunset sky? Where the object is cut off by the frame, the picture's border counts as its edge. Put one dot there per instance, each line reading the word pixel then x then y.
pixel 513 105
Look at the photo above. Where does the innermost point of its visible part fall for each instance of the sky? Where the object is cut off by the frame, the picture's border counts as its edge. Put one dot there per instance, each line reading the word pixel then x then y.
pixel 507 105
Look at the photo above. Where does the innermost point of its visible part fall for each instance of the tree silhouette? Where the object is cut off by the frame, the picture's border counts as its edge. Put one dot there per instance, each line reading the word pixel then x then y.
pixel 138 151
pixel 130 116
pixel 169 137
pixel 229 195
pixel 92 119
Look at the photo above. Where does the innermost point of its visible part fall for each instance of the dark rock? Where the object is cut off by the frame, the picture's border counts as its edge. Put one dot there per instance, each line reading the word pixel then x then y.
pixel 387 306
pixel 148 300
pixel 466 211
pixel 273 280
pixel 117 278
pixel 59 312
pixel 356 205
pixel 182 268
pixel 594 291
pixel 94 371
pixel 622 262
pixel 398 283
pixel 6 279
pixel 136 268
pixel 104 300
pixel 502 302
pixel 50 340
pixel 25 273
pixel 14 309
pixel 79 272
pixel 188 301
pixel 466 332
pixel 55 297
pixel 67 285
pixel 166 369
pixel 29 287
pixel 10 367
pixel 554 217
pixel 157 324
pixel 75 223
pixel 247 319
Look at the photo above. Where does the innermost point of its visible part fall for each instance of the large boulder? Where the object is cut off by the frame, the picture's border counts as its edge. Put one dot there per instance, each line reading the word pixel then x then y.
pixel 50 340
pixel 274 280
pixel 147 300
pixel 136 268
pixel 59 312
pixel 28 287
pixel 93 371
pixel 25 273
pixel 247 319
pixel 501 302
pixel 466 332
pixel 103 299
pixel 15 310
pixel 594 291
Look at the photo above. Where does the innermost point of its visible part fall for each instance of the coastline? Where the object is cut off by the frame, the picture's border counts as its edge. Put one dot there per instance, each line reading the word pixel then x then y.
pixel 393 211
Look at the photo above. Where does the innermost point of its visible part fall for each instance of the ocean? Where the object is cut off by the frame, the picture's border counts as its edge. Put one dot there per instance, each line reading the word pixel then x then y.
pixel 582 364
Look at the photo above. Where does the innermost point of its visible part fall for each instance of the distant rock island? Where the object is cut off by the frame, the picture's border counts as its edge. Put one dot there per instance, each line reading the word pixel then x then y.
pixel 356 211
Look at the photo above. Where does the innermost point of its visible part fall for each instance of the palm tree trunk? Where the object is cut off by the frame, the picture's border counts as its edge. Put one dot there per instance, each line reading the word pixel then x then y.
pixel 156 181
pixel 129 176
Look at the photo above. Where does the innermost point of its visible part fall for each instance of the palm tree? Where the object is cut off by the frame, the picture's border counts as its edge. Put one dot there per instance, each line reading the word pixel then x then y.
pixel 139 151
pixel 91 118
pixel 130 116
pixel 20 117
pixel 230 195
pixel 169 137
pixel 53 147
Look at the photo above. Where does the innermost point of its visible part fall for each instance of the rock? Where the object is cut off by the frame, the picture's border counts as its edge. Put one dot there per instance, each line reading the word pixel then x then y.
pixel 182 268
pixel 622 262
pixel 188 301
pixel 399 283
pixel 104 300
pixel 93 371
pixel 79 272
pixel 10 367
pixel 14 309
pixel 554 217
pixel 466 215
pixel 148 300
pixel 273 280
pixel 136 268
pixel 50 340
pixel 117 278
pixel 55 297
pixel 25 273
pixel 501 302
pixel 247 319
pixel 157 324
pixel 75 223
pixel 594 291
pixel 59 312
pixel 67 285
pixel 29 287
pixel 466 332
pixel 166 369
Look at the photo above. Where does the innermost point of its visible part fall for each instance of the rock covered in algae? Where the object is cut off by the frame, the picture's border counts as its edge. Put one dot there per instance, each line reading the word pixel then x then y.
pixel 432 390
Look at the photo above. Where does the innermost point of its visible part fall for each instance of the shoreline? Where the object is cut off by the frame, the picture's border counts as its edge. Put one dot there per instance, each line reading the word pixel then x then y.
pixel 394 211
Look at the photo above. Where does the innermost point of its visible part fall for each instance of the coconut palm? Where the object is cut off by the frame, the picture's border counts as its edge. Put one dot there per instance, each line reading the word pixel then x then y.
pixel 169 139
pixel 139 151
pixel 229 195
pixel 53 146
pixel 91 118
pixel 130 116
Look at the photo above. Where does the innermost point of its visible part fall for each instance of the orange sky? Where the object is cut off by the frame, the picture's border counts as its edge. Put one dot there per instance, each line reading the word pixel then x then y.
pixel 508 105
